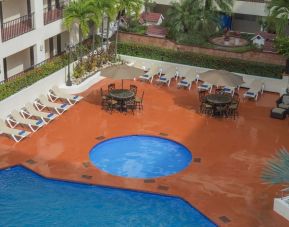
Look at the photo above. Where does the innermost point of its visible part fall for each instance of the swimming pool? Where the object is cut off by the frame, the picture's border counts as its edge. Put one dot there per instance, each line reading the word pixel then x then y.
pixel 140 156
pixel 28 199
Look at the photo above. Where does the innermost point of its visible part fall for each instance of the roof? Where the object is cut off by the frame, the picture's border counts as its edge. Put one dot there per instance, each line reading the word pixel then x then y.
pixel 150 17
pixel 157 31
pixel 266 35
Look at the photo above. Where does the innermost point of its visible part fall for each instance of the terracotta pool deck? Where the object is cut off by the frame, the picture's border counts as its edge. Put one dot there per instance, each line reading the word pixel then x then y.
pixel 223 179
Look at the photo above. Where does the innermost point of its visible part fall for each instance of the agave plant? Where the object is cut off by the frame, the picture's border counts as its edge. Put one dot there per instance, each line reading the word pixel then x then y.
pixel 276 170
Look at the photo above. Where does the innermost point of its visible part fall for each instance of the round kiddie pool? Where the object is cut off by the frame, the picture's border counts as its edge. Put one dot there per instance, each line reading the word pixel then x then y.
pixel 140 156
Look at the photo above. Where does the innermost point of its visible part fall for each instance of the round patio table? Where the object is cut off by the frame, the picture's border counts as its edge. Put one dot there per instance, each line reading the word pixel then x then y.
pixel 219 99
pixel 121 95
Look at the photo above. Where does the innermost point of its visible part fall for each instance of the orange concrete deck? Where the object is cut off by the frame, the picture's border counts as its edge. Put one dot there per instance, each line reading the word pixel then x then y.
pixel 226 182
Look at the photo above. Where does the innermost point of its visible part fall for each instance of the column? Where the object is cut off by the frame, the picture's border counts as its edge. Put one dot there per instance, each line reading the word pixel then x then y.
pixel 39 47
pixel 2 77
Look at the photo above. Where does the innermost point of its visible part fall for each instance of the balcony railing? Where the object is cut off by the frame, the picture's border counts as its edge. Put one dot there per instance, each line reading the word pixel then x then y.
pixel 17 27
pixel 53 13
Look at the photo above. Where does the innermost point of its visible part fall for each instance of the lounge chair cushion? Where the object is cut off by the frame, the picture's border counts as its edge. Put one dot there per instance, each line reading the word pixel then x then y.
pixel 285 100
pixel 50 115
pixel 75 97
pixel 227 89
pixel 250 93
pixel 21 132
pixel 283 106
pixel 39 122
pixel 63 105
pixel 184 82
pixel 163 79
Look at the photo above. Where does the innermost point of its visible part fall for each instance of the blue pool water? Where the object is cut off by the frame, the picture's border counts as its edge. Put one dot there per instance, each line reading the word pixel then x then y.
pixel 27 199
pixel 140 156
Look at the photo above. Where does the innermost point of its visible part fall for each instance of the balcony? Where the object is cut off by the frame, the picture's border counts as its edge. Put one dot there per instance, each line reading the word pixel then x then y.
pixel 53 13
pixel 17 27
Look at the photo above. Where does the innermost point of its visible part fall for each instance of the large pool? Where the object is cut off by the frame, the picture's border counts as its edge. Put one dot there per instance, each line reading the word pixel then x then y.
pixel 27 199
pixel 140 156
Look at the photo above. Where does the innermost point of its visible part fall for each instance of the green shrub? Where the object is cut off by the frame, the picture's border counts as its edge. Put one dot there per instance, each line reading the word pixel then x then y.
pixel 13 86
pixel 206 61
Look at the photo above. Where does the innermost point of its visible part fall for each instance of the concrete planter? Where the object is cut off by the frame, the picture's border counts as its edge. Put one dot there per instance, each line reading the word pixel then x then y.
pixel 281 206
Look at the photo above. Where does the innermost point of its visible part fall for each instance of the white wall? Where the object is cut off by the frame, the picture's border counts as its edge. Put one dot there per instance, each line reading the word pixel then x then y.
pixel 281 206
pixel 272 85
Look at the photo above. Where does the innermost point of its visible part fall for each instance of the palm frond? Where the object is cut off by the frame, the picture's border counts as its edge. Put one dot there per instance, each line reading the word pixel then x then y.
pixel 276 170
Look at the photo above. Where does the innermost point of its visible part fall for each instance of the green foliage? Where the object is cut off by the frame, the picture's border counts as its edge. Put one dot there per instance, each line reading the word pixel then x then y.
pixel 233 65
pixel 11 87
pixel 276 170
pixel 282 45
pixel 135 27
pixel 79 70
pixel 279 15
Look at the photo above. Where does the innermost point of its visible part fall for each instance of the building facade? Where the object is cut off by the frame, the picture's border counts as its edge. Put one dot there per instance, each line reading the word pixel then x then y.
pixel 31 31
pixel 246 14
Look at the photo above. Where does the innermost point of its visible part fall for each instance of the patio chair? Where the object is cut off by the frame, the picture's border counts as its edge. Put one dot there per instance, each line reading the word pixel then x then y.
pixel 139 101
pixel 133 88
pixel 205 87
pixel 283 102
pixel 149 75
pixel 190 77
pixel 55 93
pixel 256 88
pixel 130 105
pixel 166 78
pixel 233 109
pixel 15 119
pixel 29 111
pixel 111 87
pixel 16 134
pixel 42 102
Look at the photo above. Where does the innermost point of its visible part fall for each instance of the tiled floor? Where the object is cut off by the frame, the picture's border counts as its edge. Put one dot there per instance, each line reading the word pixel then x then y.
pixel 224 183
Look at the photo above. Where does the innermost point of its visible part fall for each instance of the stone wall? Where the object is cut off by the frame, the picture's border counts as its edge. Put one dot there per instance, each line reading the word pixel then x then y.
pixel 269 58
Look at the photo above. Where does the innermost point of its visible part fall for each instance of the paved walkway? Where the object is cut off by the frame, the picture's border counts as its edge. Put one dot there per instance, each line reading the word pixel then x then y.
pixel 223 179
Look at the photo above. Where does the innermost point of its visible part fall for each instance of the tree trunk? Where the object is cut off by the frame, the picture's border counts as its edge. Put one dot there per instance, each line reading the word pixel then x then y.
pixel 107 33
pixel 102 30
pixel 93 39
pixel 287 66
pixel 116 39
pixel 80 45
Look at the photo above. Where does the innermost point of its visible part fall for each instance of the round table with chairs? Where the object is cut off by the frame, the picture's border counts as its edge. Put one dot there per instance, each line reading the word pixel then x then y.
pixel 217 104
pixel 219 99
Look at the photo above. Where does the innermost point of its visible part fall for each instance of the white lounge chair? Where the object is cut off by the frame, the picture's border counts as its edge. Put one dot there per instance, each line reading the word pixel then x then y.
pixel 55 93
pixel 16 134
pixel 42 103
pixel 29 111
pixel 149 75
pixel 229 90
pixel 183 72
pixel 15 119
pixel 256 88
pixel 191 76
pixel 205 87
pixel 166 77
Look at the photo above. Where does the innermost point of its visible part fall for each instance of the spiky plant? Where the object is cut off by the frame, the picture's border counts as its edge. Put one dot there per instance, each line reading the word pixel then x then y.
pixel 276 170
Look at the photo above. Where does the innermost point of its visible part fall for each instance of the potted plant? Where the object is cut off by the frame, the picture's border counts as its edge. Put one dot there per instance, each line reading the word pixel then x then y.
pixel 276 171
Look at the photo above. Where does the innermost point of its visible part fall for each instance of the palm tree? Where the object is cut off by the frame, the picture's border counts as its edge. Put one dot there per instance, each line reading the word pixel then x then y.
pixel 106 8
pixel 277 169
pixel 79 12
pixel 279 13
pixel 130 7
pixel 189 18
pixel 222 5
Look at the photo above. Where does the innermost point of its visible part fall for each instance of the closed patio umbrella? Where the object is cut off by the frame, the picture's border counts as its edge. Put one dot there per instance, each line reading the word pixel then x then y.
pixel 221 78
pixel 122 72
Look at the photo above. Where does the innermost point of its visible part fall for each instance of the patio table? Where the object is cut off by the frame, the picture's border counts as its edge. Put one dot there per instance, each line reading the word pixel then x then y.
pixel 218 101
pixel 121 95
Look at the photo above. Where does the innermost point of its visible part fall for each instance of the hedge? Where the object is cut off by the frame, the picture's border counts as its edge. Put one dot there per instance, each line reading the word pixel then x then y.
pixel 32 76
pixel 206 61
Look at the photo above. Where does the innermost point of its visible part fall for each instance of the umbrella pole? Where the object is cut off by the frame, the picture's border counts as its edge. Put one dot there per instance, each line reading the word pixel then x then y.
pixel 122 84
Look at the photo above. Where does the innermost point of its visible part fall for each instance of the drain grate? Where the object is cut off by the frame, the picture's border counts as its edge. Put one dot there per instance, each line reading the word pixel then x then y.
pixel 225 219
pixel 86 177
pixel 198 160
pixel 31 161
pixel 163 134
pixel 100 138
pixel 163 188
pixel 85 164
pixel 149 181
